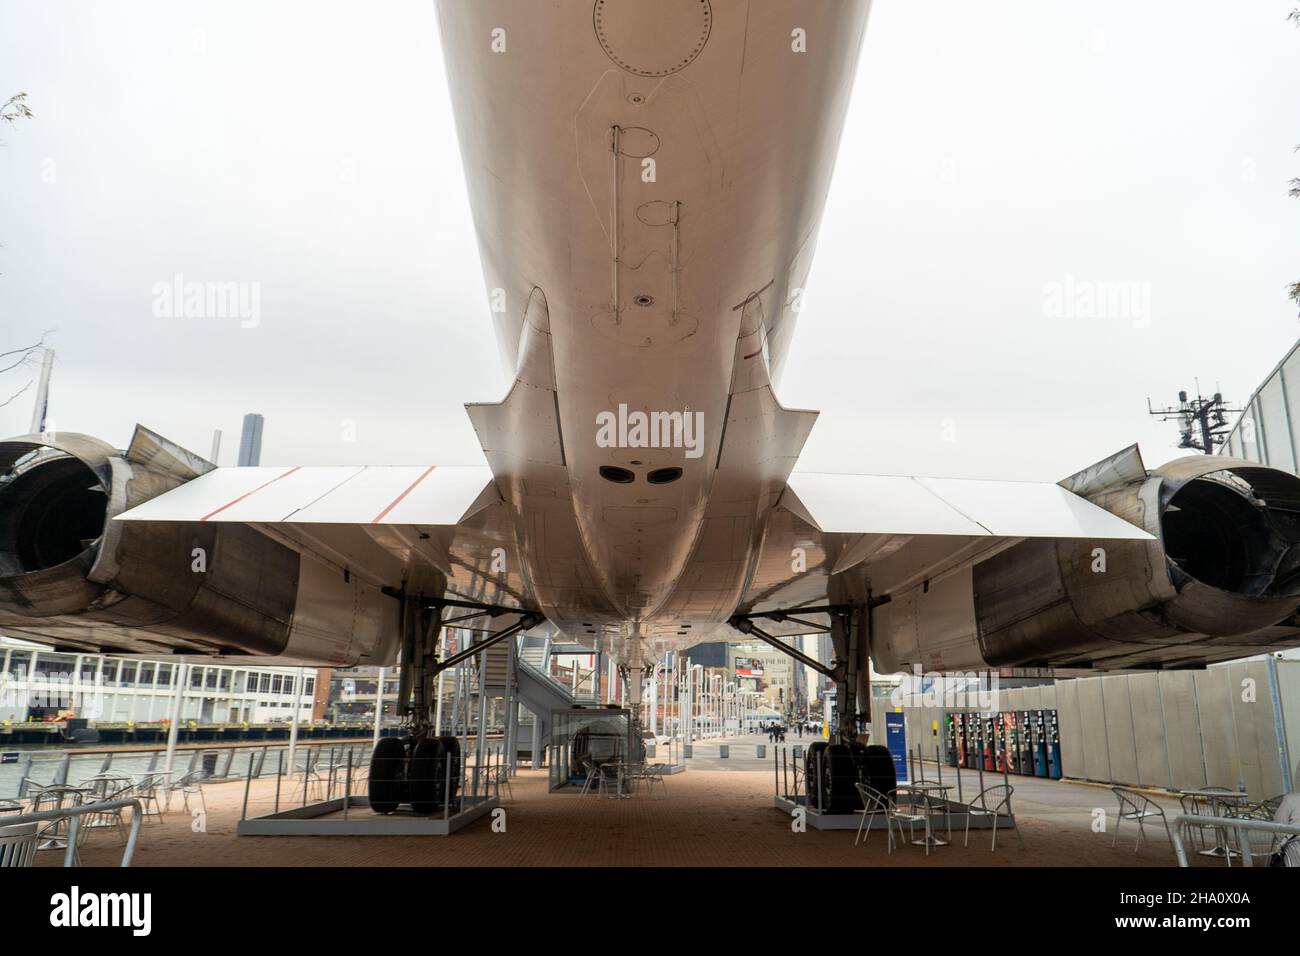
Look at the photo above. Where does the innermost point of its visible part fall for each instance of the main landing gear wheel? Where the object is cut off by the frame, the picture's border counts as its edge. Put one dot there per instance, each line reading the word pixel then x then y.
pixel 387 775
pixel 811 770
pixel 878 770
pixel 840 777
pixel 423 777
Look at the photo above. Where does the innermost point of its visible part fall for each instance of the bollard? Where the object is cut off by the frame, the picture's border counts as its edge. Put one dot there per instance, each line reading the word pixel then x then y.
pixel 724 751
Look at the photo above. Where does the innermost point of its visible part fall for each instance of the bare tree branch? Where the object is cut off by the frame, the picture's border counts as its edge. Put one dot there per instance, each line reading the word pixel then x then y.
pixel 17 393
pixel 26 354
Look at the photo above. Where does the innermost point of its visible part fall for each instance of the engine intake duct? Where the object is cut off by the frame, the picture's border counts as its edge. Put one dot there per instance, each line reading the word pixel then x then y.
pixel 67 570
pixel 1221 578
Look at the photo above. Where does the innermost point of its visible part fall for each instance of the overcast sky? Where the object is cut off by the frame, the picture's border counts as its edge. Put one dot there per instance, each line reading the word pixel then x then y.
pixel 1002 163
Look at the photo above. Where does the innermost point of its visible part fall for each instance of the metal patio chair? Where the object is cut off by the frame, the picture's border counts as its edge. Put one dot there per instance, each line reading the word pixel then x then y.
pixel 593 774
pixel 993 802
pixel 873 803
pixel 18 845
pixel 146 793
pixel 499 775
pixel 191 783
pixel 609 780
pixel 1138 807
pixel 909 813
pixel 654 774
pixel 1195 804
pixel 109 789
pixel 1291 853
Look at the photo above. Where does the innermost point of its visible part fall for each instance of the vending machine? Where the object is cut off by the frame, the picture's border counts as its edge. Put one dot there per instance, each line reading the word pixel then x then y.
pixel 974 740
pixel 1026 743
pixel 1054 746
pixel 1013 741
pixel 953 755
pixel 990 742
pixel 1040 744
pixel 999 743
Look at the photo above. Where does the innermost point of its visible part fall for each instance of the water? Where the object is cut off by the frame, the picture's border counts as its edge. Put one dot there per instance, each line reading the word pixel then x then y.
pixel 46 761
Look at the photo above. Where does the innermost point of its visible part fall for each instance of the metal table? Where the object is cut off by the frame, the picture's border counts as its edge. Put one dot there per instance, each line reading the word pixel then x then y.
pixel 1222 802
pixel 926 788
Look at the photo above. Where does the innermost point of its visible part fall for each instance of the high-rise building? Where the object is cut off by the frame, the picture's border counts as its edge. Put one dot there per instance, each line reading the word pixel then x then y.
pixel 250 440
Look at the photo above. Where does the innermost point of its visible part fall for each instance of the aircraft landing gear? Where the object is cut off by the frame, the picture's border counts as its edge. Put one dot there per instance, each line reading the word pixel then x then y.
pixel 834 768
pixel 423 769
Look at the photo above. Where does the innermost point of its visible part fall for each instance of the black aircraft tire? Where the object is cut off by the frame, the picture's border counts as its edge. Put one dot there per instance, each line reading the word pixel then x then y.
pixel 839 779
pixel 878 769
pixel 423 777
pixel 387 775
pixel 813 768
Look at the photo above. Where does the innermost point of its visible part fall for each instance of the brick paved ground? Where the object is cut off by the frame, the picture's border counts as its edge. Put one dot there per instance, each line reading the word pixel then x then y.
pixel 706 817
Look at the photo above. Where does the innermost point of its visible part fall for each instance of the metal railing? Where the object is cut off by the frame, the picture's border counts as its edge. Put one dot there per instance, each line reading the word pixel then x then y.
pixel 222 762
pixel 346 776
pixel 1240 826
pixel 74 815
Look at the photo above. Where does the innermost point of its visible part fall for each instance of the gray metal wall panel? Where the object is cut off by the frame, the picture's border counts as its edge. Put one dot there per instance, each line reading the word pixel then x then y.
pixel 1218 733
pixel 1047 694
pixel 1288 681
pixel 1149 730
pixel 1092 719
pixel 1178 704
pixel 1121 748
pixel 1261 771
pixel 1277 434
pixel 1033 698
pixel 1067 715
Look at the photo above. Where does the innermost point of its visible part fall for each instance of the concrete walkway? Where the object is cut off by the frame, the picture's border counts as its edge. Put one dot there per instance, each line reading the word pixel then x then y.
pixel 706 817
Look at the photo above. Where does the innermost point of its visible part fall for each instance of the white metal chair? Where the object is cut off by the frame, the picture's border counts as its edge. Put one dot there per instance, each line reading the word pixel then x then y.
pixel 1138 807
pixel 191 783
pixel 609 780
pixel 146 792
pixel 1291 852
pixel 593 776
pixel 873 803
pixel 1195 804
pixel 499 775
pixel 651 775
pixel 109 789
pixel 993 802
pixel 18 844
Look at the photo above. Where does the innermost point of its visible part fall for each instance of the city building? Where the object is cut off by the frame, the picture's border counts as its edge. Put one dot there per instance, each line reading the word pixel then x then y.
pixel 250 440
pixel 37 683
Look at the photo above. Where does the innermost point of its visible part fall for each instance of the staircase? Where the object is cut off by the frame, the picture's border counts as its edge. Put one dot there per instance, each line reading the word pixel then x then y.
pixel 539 693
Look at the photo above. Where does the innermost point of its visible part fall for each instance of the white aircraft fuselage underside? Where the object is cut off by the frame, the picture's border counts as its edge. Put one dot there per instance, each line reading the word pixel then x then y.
pixel 647 182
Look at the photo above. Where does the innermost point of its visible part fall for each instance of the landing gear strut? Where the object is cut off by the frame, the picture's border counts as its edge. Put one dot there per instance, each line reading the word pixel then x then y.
pixel 422 768
pixel 834 768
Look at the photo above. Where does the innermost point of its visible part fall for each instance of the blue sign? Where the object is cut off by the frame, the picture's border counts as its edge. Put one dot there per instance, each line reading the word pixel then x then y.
pixel 896 741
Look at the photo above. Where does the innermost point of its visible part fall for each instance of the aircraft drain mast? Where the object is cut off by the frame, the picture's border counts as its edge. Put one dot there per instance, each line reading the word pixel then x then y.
pixel 1202 422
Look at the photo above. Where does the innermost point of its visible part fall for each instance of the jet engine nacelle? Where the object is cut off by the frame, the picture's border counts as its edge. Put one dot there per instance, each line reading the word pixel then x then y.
pixel 70 574
pixel 1219 579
